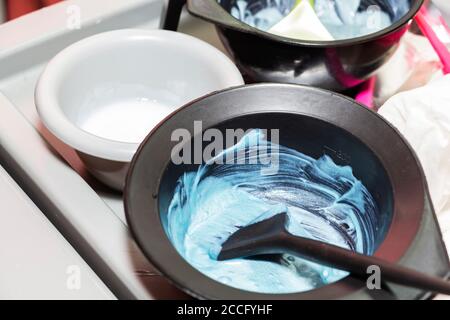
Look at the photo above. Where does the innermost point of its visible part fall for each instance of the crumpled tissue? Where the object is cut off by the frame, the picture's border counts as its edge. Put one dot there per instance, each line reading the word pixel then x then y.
pixel 422 115
pixel 414 64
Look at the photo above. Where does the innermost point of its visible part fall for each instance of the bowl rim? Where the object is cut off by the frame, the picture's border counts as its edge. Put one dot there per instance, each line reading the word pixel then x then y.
pixel 212 11
pixel 50 81
pixel 147 229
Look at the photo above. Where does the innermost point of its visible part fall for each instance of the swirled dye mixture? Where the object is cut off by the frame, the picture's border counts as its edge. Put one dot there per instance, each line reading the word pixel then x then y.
pixel 324 201
pixel 318 19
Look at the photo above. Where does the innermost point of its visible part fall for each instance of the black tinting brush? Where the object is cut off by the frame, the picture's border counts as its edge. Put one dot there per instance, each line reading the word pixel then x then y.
pixel 271 237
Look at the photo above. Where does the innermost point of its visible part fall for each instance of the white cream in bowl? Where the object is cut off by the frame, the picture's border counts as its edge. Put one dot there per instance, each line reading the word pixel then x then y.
pixel 104 94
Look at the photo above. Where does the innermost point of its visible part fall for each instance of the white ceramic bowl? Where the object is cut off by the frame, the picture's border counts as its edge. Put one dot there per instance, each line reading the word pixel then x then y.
pixel 104 94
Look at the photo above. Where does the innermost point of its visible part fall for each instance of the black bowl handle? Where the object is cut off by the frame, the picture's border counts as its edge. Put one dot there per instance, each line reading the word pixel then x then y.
pixel 209 10
pixel 172 15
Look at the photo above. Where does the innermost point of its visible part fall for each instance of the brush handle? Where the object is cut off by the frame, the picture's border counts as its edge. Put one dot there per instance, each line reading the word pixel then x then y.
pixel 171 17
pixel 439 47
pixel 358 264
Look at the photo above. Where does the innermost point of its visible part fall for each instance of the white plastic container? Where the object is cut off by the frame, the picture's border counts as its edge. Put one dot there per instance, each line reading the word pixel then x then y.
pixel 104 94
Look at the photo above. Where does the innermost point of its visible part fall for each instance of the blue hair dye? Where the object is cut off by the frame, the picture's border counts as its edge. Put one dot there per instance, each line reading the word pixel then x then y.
pixel 324 201
pixel 344 19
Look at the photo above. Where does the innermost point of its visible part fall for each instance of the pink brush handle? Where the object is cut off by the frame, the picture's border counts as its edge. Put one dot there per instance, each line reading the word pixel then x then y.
pixel 439 47
pixel 365 96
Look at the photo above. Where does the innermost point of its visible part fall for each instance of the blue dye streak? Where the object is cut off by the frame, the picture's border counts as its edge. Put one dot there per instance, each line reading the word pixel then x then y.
pixel 324 201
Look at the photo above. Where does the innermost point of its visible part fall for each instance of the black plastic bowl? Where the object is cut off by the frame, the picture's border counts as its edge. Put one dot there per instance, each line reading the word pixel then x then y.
pixel 313 121
pixel 264 57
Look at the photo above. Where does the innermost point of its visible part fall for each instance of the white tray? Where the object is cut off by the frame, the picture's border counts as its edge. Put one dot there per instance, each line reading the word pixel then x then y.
pixel 89 215
pixel 37 262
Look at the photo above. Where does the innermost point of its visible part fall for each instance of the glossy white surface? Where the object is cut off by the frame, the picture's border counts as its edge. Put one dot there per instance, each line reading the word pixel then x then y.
pixel 37 262
pixel 104 94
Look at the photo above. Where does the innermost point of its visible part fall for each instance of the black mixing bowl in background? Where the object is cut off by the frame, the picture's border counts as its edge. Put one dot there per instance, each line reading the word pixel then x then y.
pixel 264 57
pixel 314 122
